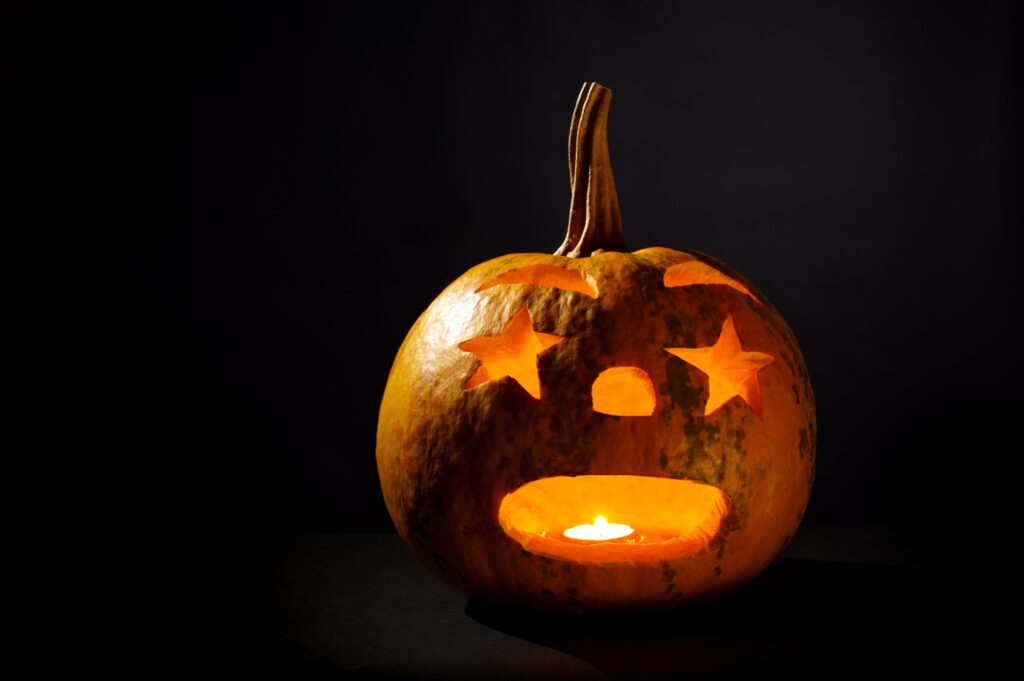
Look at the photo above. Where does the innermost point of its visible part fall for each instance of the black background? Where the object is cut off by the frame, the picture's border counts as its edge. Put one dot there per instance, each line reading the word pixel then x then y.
pixel 285 189
pixel 300 181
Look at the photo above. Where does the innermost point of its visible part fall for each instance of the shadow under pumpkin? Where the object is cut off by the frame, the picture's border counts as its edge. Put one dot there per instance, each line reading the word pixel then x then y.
pixel 806 618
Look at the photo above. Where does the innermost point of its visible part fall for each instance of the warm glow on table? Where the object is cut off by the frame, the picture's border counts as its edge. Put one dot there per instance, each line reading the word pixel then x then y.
pixel 600 530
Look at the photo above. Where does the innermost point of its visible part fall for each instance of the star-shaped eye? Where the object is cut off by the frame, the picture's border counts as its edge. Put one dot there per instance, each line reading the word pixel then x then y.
pixel 511 353
pixel 732 371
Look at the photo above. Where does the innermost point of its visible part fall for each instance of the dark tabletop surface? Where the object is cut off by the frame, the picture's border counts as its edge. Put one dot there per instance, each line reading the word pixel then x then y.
pixel 841 602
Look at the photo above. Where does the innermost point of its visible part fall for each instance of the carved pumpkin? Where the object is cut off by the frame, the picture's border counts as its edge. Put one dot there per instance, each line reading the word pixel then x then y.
pixel 655 399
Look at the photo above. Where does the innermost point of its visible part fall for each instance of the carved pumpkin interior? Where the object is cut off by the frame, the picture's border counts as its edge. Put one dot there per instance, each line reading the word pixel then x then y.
pixel 670 518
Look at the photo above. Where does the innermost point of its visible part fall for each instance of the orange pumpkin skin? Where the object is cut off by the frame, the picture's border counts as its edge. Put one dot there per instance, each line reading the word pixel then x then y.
pixel 448 455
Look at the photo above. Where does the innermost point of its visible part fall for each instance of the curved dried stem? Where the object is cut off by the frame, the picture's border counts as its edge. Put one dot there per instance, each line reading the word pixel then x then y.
pixel 594 220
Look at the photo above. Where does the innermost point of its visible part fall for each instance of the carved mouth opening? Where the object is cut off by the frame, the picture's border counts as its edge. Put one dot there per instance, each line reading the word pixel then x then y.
pixel 614 518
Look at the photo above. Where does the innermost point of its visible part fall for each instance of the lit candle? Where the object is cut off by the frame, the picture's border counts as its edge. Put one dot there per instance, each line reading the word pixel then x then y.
pixel 601 530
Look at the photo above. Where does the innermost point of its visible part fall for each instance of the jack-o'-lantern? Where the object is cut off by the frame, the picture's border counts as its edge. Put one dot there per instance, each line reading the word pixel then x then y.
pixel 597 429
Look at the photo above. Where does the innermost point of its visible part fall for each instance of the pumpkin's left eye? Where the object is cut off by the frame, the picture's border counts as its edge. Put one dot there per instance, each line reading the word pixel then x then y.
pixel 511 353
pixel 623 391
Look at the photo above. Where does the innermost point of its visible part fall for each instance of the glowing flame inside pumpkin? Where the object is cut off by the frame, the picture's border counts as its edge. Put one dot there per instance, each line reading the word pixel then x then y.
pixel 666 518
pixel 600 530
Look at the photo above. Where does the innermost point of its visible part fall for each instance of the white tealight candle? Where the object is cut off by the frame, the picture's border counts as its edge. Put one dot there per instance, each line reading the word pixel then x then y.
pixel 601 530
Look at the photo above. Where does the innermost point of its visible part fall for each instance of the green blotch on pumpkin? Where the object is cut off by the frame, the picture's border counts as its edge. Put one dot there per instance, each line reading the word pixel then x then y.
pixel 699 456
pixel 682 395
pixel 672 323
pixel 710 312
pixel 805 443
pixel 736 444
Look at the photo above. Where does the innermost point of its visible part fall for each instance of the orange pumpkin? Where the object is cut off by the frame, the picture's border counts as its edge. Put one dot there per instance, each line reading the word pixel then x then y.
pixel 655 401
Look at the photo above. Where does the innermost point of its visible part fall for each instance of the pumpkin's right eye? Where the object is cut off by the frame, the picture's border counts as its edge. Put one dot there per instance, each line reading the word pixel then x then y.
pixel 623 391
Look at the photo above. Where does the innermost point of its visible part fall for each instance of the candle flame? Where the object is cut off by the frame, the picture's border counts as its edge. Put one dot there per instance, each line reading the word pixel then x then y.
pixel 600 530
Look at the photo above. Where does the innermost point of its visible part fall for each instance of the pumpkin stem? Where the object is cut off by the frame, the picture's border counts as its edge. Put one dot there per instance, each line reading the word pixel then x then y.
pixel 594 219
